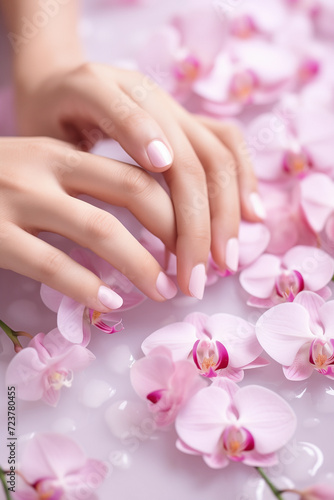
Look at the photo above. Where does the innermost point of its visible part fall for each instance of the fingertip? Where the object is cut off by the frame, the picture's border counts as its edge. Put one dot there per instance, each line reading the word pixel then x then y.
pixel 108 298
pixel 159 154
pixel 257 206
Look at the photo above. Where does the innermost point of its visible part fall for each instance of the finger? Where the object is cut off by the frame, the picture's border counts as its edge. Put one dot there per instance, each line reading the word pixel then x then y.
pixel 121 118
pixel 187 184
pixel 127 186
pixel 102 233
pixel 32 257
pixel 223 193
pixel 252 208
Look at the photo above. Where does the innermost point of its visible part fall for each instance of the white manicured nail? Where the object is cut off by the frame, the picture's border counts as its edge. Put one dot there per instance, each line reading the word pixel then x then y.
pixel 232 254
pixel 109 298
pixel 197 281
pixel 258 206
pixel 159 154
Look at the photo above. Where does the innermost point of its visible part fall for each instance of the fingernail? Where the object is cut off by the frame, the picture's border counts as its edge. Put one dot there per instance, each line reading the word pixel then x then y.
pixel 109 298
pixel 165 286
pixel 159 154
pixel 258 206
pixel 232 254
pixel 197 281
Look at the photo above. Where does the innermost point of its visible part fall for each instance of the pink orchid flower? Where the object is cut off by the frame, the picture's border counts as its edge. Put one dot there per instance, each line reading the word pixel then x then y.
pixel 218 345
pixel 165 384
pixel 288 145
pixel 299 336
pixel 46 365
pixel 74 319
pixel 317 492
pixel 183 51
pixel 254 18
pixel 317 200
pixel 224 422
pixel 285 219
pixel 243 75
pixel 272 279
pixel 53 467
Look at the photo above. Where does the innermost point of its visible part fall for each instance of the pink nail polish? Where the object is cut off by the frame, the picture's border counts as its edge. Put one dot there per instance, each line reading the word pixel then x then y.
pixel 165 286
pixel 109 298
pixel 257 205
pixel 159 154
pixel 197 281
pixel 232 254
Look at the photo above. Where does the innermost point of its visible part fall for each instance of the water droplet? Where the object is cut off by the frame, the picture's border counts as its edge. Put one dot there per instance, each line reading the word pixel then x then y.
pixel 127 419
pixel 325 400
pixel 304 461
pixel 311 422
pixel 64 425
pixel 96 392
pixel 120 359
pixel 120 459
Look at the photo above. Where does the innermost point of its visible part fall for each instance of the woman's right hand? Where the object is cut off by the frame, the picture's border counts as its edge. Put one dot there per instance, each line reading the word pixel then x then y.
pixel 40 180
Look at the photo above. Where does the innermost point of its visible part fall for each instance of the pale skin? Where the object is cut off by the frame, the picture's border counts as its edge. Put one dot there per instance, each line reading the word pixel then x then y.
pixel 74 102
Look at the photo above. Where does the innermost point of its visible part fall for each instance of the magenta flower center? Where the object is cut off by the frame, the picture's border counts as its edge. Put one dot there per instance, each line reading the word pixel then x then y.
pixel 288 284
pixel 187 69
pixel 209 357
pixel 322 355
pixel 296 164
pixel 236 441
pixel 243 85
pixel 309 69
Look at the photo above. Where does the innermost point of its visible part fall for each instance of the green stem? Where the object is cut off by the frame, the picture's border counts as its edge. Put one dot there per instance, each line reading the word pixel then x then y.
pixel 10 334
pixel 4 484
pixel 273 488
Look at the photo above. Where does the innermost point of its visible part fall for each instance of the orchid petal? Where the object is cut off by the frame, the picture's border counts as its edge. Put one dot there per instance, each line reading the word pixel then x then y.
pixel 50 297
pixel 255 459
pixel 259 278
pixel 70 320
pixel 267 416
pixel 301 368
pixel 317 209
pixel 201 421
pixel 326 314
pixel 178 337
pixel 283 330
pixel 25 371
pixel 254 239
pixel 216 460
pixel 49 455
pixel 238 337
pixel 313 303
pixel 315 265
pixel 152 373
pixel 199 320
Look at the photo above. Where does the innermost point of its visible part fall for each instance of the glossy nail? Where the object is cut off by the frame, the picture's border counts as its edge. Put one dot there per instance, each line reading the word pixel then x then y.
pixel 197 281
pixel 165 286
pixel 258 206
pixel 159 154
pixel 109 298
pixel 232 254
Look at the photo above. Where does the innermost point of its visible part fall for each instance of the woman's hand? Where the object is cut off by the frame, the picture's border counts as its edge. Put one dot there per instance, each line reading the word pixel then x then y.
pixel 39 181
pixel 207 170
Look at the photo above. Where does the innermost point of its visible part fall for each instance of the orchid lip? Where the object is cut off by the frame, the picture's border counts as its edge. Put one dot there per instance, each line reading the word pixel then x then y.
pixel 297 163
pixel 321 355
pixel 288 284
pixel 155 396
pixel 236 441
pixel 209 357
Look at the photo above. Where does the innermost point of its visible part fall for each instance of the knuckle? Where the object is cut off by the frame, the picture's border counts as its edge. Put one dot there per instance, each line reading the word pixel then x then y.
pixel 51 264
pixel 138 183
pixel 99 225
pixel 135 120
